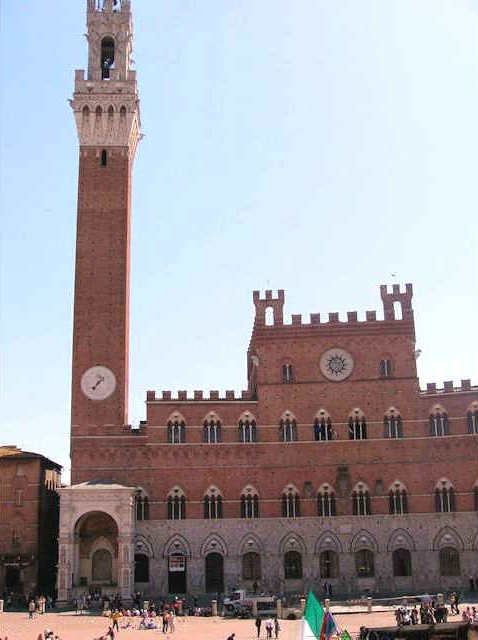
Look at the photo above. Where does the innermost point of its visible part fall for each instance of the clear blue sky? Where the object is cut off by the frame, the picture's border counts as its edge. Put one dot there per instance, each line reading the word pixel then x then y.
pixel 314 146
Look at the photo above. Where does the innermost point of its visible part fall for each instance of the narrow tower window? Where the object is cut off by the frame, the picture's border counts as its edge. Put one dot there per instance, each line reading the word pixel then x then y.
pixel 107 57
pixel 104 158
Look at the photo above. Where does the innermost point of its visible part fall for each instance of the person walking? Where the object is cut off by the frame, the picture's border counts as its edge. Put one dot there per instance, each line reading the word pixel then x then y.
pixel 269 628
pixel 31 609
pixel 258 623
pixel 276 627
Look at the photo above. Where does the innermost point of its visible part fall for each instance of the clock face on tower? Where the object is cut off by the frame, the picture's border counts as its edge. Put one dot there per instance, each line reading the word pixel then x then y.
pixel 98 383
pixel 336 364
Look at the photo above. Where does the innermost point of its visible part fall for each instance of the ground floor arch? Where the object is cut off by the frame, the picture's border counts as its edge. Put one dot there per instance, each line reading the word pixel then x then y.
pixel 177 573
pixel 96 548
pixel 214 571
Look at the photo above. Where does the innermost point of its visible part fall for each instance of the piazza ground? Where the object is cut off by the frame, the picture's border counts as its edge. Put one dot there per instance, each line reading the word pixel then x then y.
pixel 69 626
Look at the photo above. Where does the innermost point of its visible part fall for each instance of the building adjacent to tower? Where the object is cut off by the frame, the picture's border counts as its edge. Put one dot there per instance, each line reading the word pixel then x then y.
pixel 333 465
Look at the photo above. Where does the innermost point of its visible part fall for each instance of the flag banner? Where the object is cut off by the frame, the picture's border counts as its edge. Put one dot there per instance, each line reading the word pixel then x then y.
pixel 313 618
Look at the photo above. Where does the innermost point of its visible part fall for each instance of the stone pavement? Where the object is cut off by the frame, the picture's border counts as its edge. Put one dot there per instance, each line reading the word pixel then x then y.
pixel 69 626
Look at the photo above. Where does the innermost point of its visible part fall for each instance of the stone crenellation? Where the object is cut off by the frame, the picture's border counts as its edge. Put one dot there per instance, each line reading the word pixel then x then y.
pixel 198 396
pixel 449 387
pixel 276 305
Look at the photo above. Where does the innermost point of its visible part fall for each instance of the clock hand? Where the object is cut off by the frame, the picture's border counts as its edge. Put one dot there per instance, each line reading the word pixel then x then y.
pixel 100 380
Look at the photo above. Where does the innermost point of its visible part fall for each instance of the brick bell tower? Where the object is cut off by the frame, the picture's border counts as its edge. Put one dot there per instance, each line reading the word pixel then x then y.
pixel 106 109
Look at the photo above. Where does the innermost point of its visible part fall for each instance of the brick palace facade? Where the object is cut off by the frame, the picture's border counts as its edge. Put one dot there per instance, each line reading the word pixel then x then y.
pixel 333 465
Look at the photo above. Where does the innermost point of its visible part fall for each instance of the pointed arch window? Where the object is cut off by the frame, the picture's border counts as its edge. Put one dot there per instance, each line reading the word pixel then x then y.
pixel 439 422
pixel 287 374
pixel 323 426
pixel 326 502
pixel 141 505
pixel 212 503
pixel 247 429
pixel 398 499
pixel 392 424
pixel 290 503
pixel 176 431
pixel 249 503
pixel 357 426
pixel 211 432
pixel 176 504
pixel 288 429
pixel 472 418
pixel 107 56
pixel 361 501
pixel 444 497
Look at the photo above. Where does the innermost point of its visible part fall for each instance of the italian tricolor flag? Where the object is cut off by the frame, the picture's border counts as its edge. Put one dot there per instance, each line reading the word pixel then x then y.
pixel 318 624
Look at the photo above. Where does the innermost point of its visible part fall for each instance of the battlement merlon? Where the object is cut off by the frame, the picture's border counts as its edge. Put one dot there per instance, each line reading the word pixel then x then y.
pixel 276 303
pixel 269 302
pixel 404 299
pixel 198 396
pixel 449 387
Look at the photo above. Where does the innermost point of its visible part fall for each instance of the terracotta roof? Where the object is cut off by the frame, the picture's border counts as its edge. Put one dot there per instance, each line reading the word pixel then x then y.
pixel 13 451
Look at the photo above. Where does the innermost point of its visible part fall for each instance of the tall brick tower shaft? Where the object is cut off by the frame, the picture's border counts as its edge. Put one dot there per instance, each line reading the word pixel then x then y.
pixel 106 110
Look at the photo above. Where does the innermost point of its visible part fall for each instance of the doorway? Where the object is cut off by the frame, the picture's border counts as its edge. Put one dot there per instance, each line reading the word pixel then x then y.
pixel 177 573
pixel 214 573
pixel 12 579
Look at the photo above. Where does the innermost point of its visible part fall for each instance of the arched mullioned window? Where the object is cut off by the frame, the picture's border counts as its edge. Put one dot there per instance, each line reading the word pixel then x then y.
pixel 439 422
pixel 292 565
pixel 211 432
pixel 326 501
pixel 361 505
pixel 444 497
pixel 290 502
pixel 176 430
pixel 176 504
pixel 472 418
pixel 249 503
pixel 86 112
pixel 141 504
pixel 397 499
pixel 287 374
pixel 212 503
pixel 247 429
pixel 323 426
pixel 392 424
pixel 288 428
pixel 449 562
pixel 107 56
pixel 98 111
pixel 385 368
pixel 357 425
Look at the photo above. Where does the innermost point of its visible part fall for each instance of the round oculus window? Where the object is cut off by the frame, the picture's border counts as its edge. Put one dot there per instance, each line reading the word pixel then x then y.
pixel 336 364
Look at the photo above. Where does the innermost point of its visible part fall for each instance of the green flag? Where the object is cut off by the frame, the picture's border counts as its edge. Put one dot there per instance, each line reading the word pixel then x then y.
pixel 313 618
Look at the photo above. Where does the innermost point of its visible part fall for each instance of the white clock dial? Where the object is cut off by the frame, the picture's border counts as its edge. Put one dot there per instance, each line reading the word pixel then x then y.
pixel 336 364
pixel 98 383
